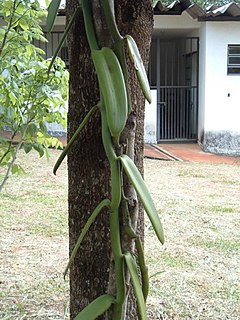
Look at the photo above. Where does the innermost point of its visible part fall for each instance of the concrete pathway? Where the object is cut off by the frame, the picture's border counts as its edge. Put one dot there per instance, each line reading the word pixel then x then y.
pixel 191 152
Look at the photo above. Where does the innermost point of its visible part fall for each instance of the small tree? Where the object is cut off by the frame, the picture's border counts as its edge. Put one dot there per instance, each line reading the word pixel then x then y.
pixel 30 94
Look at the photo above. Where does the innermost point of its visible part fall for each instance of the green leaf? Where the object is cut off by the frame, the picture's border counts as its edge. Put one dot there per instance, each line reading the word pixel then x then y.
pixel 27 147
pixel 132 267
pixel 136 59
pixel 39 148
pixel 96 307
pixel 112 85
pixel 43 127
pixel 12 97
pixel 10 114
pixel 143 268
pixel 89 25
pixel 104 203
pixel 52 13
pixel 31 129
pixel 144 195
pixel 17 169
pixel 23 24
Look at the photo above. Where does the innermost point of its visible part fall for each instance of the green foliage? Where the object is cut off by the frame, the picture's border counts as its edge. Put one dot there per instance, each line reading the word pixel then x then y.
pixel 218 3
pixel 143 193
pixel 113 89
pixel 132 267
pixel 30 96
pixel 52 13
pixel 139 67
pixel 96 308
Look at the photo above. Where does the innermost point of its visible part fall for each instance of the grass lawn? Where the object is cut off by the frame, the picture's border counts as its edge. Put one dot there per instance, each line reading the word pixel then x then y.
pixel 195 275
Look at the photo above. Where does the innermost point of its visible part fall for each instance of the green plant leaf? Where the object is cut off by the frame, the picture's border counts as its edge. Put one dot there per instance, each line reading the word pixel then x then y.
pixel 32 129
pixel 89 25
pixel 16 168
pixel 132 267
pixel 12 97
pixel 104 203
pixel 52 13
pixel 136 59
pixel 143 268
pixel 43 127
pixel 96 307
pixel 39 148
pixel 74 137
pixel 113 88
pixel 27 147
pixel 144 195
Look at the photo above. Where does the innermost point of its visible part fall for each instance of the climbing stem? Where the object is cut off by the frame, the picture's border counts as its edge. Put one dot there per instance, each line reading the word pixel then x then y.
pixel 114 217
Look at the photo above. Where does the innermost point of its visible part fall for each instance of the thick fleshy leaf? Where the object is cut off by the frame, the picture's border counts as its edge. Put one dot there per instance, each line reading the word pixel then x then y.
pixel 139 67
pixel 96 307
pixel 143 268
pixel 52 13
pixel 132 268
pixel 89 24
pixel 144 195
pixel 104 203
pixel 113 88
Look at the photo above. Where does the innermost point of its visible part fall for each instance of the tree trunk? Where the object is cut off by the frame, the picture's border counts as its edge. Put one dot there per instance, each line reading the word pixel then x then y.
pixel 88 170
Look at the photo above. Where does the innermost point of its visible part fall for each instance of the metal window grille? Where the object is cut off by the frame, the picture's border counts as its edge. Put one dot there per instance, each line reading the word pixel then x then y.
pixel 173 72
pixel 233 59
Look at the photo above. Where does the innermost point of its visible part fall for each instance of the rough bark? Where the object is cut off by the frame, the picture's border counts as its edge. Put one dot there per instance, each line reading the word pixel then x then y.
pixel 88 168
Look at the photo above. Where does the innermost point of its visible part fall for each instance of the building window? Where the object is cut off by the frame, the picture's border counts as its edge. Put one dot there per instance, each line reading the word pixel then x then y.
pixel 233 66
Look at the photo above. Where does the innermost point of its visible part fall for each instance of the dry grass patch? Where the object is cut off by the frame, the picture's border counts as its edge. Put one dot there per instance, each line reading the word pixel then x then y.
pixel 195 275
pixel 34 248
pixel 196 272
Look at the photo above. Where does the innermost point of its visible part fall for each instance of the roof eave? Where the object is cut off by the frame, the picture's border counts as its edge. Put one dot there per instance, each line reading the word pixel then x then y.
pixel 219 18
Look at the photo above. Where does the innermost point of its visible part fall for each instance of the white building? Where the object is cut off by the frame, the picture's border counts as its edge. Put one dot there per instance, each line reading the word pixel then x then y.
pixel 195 75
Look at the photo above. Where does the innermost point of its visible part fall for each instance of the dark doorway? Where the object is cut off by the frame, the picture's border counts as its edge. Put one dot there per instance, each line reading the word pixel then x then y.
pixel 173 72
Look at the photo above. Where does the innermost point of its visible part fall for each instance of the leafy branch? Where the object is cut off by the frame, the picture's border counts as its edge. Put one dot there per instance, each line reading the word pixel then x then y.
pixel 29 95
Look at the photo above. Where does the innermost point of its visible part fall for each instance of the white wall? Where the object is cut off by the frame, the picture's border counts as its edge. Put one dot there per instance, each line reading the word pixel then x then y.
pixel 222 112
pixel 202 71
pixel 150 122
pixel 219 92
